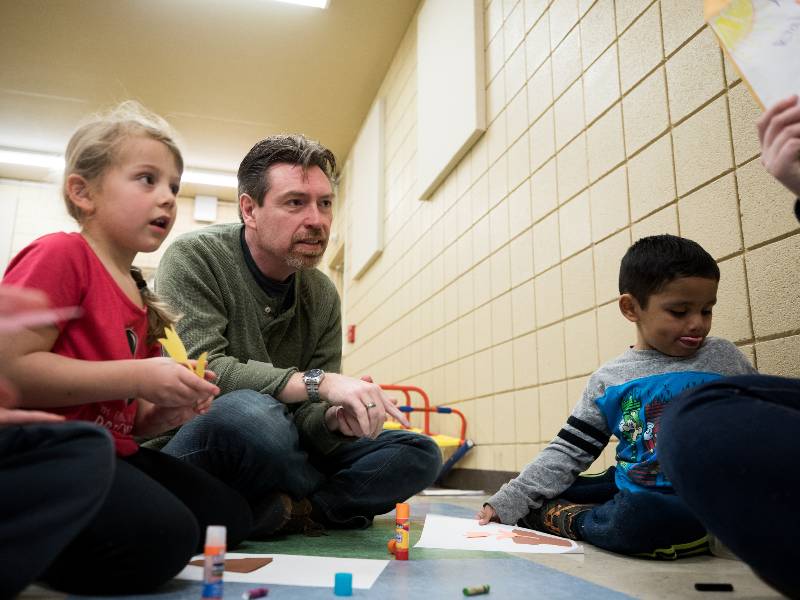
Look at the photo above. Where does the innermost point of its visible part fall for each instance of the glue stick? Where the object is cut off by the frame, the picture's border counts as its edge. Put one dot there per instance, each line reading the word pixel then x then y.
pixel 214 563
pixel 401 531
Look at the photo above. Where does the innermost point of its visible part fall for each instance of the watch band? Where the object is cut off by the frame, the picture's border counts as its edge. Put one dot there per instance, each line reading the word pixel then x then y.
pixel 312 388
pixel 312 379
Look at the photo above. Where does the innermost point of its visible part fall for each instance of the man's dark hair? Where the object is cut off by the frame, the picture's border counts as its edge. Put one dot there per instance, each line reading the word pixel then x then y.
pixel 652 262
pixel 291 149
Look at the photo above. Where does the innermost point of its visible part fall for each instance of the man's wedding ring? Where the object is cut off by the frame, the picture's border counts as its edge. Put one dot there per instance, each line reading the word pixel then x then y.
pixel 369 405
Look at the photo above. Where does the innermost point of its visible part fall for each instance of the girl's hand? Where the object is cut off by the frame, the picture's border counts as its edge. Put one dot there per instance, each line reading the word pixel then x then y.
pixel 779 133
pixel 166 383
pixel 152 419
pixel 487 515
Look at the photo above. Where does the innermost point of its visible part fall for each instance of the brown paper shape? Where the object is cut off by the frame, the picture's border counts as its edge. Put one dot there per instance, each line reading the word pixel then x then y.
pixel 239 565
pixel 534 539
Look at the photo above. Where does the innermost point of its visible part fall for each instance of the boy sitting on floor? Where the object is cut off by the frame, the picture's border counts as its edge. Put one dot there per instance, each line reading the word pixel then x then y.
pixel 668 286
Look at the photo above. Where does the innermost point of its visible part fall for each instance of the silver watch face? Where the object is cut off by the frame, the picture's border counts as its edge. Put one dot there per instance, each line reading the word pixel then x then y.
pixel 314 376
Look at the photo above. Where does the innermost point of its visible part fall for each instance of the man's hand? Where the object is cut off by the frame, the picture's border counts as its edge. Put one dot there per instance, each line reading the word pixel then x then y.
pixel 779 133
pixel 486 515
pixel 360 406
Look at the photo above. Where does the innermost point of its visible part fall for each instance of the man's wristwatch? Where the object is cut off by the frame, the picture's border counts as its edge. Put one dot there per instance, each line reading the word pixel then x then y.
pixel 313 378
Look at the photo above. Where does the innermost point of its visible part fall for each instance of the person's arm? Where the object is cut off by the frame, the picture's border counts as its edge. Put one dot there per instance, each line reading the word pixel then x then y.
pixel 187 281
pixel 44 379
pixel 779 134
pixel 575 448
pixel 342 413
pixel 13 302
pixel 327 356
pixel 12 416
pixel 153 420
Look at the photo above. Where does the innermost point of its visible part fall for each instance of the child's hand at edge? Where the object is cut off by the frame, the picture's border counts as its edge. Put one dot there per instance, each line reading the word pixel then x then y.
pixel 166 383
pixel 14 301
pixel 779 134
pixel 487 515
pixel 10 416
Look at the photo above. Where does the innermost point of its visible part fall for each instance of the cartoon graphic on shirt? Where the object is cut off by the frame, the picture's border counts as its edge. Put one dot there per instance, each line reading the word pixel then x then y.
pixel 631 426
pixel 633 411
pixel 652 416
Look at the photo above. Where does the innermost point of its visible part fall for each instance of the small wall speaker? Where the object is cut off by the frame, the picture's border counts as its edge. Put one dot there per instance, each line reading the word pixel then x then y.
pixel 205 208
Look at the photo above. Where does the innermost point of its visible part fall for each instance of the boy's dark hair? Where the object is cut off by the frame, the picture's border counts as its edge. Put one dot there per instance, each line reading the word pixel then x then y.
pixel 291 149
pixel 652 262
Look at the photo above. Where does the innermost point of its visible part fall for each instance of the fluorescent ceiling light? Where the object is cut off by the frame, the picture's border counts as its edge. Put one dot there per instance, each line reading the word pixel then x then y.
pixel 313 3
pixel 31 159
pixel 209 178
pixel 56 162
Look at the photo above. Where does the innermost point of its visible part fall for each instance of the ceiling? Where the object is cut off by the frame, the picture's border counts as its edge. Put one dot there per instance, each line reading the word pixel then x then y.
pixel 224 73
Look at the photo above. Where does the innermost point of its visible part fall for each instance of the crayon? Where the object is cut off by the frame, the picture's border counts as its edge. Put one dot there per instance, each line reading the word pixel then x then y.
pixel 713 587
pixel 476 590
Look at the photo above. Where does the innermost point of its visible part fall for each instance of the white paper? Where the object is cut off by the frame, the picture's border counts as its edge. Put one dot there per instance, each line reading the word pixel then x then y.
pixel 763 39
pixel 288 569
pixel 449 492
pixel 450 533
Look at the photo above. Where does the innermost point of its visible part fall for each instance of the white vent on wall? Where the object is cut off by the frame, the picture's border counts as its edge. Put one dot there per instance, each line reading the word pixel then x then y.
pixel 451 93
pixel 205 208
pixel 365 193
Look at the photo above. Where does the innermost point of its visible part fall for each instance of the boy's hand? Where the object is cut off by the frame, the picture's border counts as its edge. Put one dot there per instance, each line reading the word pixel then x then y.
pixel 779 133
pixel 487 515
pixel 166 383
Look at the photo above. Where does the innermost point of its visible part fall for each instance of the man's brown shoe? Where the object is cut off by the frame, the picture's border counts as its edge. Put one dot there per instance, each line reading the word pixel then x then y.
pixel 271 515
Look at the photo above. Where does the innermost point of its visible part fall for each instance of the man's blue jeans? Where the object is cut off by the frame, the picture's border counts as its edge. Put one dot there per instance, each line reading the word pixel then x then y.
pixel 249 441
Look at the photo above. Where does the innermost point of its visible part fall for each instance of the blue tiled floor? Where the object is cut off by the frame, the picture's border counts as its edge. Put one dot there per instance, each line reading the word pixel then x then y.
pixel 432 574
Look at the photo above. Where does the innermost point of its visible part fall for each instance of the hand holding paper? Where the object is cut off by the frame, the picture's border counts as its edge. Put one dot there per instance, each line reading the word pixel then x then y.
pixel 175 348
pixel 170 384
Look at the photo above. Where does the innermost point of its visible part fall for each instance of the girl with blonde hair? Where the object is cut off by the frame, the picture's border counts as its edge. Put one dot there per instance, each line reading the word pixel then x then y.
pixel 121 181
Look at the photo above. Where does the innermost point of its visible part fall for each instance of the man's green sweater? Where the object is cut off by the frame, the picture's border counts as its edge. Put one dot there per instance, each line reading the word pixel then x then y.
pixel 252 342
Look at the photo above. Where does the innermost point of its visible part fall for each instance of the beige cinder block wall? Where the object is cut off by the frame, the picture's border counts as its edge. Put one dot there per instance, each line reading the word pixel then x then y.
pixel 35 209
pixel 609 120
